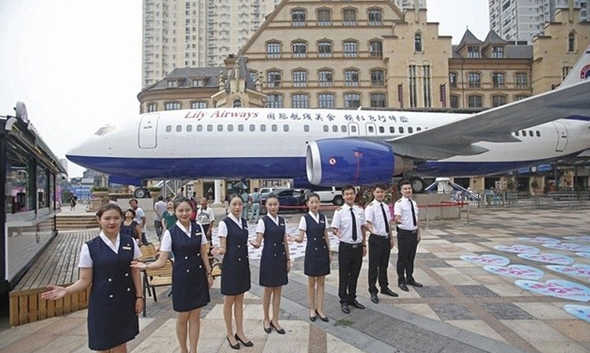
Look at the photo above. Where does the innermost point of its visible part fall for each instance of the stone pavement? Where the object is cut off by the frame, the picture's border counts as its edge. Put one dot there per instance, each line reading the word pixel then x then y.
pixel 462 307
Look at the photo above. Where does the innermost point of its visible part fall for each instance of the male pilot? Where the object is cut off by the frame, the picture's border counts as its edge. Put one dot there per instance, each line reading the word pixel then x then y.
pixel 408 236
pixel 348 224
pixel 380 243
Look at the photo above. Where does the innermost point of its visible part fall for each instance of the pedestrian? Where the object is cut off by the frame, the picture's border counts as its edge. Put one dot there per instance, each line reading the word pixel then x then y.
pixel 130 227
pixel 115 288
pixel 246 202
pixel 169 217
pixel 316 266
pixel 72 203
pixel 275 261
pixel 380 243
pixel 139 218
pixel 159 208
pixel 235 277
pixel 348 224
pixel 206 218
pixel 408 236
pixel 191 273
pixel 255 206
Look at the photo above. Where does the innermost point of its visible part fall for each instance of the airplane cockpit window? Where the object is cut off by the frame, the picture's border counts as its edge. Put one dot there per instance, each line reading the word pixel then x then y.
pixel 105 130
pixel 286 128
pixel 516 133
pixel 199 128
pixel 410 130
pixel 538 133
pixel 240 127
pixel 189 128
pixel 263 127
pixel 306 128
pixel 334 128
pixel 219 127
pixel 274 128
pixel 531 133
pixel 209 128
pixel 326 128
pixel 418 129
pixel 230 128
pixel 168 128
pixel 178 128
pixel 401 130
pixel 252 127
pixel 343 128
pixel 523 133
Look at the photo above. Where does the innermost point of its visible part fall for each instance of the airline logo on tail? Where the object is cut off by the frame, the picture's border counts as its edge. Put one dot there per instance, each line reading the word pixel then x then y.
pixel 585 73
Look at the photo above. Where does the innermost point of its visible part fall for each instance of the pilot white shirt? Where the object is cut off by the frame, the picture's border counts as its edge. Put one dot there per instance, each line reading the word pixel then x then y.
pixel 222 228
pixel 260 228
pixel 343 221
pixel 166 244
pixel 402 208
pixel 316 217
pixel 374 215
pixel 86 259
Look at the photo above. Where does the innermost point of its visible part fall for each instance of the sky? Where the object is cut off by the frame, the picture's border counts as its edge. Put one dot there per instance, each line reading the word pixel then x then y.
pixel 76 64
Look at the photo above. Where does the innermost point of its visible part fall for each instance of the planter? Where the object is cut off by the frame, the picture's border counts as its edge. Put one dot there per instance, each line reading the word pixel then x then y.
pixel 154 194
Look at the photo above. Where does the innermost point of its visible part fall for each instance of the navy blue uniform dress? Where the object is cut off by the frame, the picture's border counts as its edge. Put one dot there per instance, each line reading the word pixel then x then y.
pixel 235 277
pixel 273 262
pixel 317 254
pixel 190 289
pixel 129 230
pixel 111 308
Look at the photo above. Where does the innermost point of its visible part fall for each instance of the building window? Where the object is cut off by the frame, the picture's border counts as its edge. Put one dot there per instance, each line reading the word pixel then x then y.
pixel 497 52
pixel 520 97
pixel 412 75
pixel 352 100
pixel 474 79
pixel 273 50
pixel 152 107
pixel 253 76
pixel 376 48
pixel 300 101
pixel 378 100
pixel 199 82
pixel 350 49
pixel 324 17
pixel 377 78
pixel 172 106
pixel 274 78
pixel 453 79
pixel 565 71
pixel 237 103
pixel 299 49
pixel 324 49
pixel 349 17
pixel 274 101
pixel 475 101
pixel 498 80
pixel 498 101
pixel 522 80
pixel 325 78
pixel 198 105
pixel 473 51
pixel 299 78
pixel 571 42
pixel 426 86
pixel 351 78
pixel 172 84
pixel 418 43
pixel 454 101
pixel 325 100
pixel 298 18
pixel 375 17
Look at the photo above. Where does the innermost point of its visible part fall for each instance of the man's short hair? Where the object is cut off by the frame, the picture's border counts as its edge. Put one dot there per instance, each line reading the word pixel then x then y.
pixel 348 187
pixel 404 182
pixel 130 201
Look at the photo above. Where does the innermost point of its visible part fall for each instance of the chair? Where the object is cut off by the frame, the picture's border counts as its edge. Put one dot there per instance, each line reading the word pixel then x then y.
pixel 156 278
pixel 148 252
pixel 213 262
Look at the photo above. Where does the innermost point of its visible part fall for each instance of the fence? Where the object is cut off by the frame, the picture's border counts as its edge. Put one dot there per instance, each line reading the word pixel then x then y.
pixel 557 199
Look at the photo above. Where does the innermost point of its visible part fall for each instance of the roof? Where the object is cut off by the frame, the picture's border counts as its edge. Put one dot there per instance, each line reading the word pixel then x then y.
pixel 469 39
pixel 493 39
pixel 184 76
pixel 241 70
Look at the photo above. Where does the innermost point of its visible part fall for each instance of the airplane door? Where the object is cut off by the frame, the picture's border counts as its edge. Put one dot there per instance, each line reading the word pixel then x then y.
pixel 147 131
pixel 353 129
pixel 561 136
pixel 371 129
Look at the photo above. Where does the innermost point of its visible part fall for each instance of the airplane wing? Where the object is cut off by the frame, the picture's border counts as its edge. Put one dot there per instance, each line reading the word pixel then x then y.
pixel 495 125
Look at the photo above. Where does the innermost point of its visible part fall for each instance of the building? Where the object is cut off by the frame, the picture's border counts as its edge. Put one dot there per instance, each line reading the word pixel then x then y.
pixel 200 33
pixel 410 4
pixel 521 20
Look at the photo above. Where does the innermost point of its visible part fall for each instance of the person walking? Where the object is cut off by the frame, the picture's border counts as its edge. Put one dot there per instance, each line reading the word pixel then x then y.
pixel 246 202
pixel 206 218
pixel 275 261
pixel 255 206
pixel 380 243
pixel 168 217
pixel 348 225
pixel 191 273
pixel 408 236
pixel 115 288
pixel 139 218
pixel 159 208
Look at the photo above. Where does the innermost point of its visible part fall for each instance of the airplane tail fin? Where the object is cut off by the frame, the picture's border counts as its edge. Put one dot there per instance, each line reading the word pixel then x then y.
pixel 580 72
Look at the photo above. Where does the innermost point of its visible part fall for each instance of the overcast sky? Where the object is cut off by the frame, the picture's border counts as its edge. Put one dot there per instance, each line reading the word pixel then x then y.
pixel 77 64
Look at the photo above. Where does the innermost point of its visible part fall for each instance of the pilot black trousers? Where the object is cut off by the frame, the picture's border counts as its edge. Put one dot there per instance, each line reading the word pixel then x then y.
pixel 407 242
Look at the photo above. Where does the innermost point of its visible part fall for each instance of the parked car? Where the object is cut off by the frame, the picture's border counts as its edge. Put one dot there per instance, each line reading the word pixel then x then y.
pixel 289 200
pixel 329 194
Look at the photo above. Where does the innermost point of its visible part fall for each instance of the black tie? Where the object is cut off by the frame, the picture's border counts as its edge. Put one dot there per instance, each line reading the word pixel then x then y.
pixel 354 237
pixel 413 212
pixel 385 219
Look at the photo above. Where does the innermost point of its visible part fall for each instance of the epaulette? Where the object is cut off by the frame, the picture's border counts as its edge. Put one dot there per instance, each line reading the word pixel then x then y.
pixel 371 204
pixel 398 201
pixel 339 209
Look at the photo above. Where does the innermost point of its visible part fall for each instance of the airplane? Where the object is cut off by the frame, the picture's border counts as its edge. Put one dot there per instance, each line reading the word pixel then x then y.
pixel 337 147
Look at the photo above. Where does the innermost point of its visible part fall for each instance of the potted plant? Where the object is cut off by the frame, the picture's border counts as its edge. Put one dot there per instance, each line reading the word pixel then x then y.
pixel 100 191
pixel 154 191
pixel 534 186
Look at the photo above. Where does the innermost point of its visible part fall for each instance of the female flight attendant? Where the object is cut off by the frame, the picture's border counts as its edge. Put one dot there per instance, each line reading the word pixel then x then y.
pixel 235 277
pixel 115 294
pixel 274 262
pixel 191 274
pixel 317 255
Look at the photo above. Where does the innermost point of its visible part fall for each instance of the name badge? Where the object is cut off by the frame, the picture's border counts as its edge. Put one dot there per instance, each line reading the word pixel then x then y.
pixel 282 224
pixel 322 222
pixel 126 248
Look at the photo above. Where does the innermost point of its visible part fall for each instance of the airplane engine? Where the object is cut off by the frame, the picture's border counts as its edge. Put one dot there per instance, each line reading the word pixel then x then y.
pixel 338 162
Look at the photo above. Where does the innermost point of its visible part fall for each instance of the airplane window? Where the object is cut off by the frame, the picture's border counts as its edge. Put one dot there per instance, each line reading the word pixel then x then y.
pixel 538 133
pixel 209 127
pixel 353 128
pixel 230 127
pixel 219 127
pixel 334 128
pixel 523 133
pixel 401 130
pixel 392 129
pixel 274 127
pixel 371 129
pixel 286 128
pixel 168 128
pixel 263 127
pixel 381 129
pixel 240 127
pixel 418 129
pixel 531 133
pixel 326 128
pixel 178 128
pixel 516 133
pixel 252 127
pixel 343 128
pixel 189 128
pixel 410 130
pixel 199 128
pixel 306 128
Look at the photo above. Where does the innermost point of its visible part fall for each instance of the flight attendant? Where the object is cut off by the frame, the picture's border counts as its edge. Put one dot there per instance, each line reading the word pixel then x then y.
pixel 235 277
pixel 115 288
pixel 191 274
pixel 275 261
pixel 317 255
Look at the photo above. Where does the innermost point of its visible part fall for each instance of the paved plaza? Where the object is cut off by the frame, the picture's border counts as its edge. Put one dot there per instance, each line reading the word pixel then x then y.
pixel 461 308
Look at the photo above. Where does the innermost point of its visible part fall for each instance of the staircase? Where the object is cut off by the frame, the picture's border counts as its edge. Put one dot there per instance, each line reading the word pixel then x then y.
pixel 76 221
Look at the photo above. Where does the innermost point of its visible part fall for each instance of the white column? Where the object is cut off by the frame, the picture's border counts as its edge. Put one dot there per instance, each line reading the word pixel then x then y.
pixel 217 191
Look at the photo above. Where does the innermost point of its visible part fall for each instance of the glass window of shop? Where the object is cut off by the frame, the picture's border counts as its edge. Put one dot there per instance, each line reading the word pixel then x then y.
pixel 42 187
pixel 18 196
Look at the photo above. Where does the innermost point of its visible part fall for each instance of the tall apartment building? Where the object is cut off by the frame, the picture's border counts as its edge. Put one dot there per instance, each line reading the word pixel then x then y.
pixel 520 20
pixel 197 33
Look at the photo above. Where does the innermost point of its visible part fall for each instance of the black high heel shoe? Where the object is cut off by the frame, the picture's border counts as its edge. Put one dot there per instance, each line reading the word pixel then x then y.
pixel 323 318
pixel 246 344
pixel 266 329
pixel 233 346
pixel 281 331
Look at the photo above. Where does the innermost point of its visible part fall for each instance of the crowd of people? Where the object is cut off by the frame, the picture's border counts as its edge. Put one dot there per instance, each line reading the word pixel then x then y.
pixel 109 264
